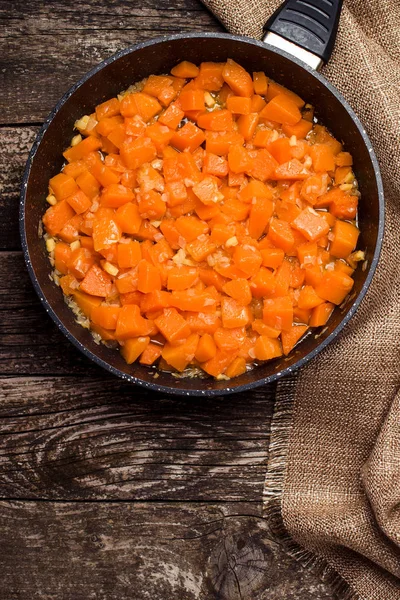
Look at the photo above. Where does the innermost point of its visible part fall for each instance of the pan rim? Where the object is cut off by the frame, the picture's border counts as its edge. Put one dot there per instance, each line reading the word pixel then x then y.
pixel 207 392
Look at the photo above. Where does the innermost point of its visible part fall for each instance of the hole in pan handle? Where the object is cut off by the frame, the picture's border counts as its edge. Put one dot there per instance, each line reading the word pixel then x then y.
pixel 305 28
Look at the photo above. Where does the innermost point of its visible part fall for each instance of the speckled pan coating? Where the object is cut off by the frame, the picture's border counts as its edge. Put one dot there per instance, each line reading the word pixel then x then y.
pixel 159 56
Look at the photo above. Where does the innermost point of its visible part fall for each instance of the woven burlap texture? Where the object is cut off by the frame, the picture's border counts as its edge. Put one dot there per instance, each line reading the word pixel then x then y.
pixel 333 483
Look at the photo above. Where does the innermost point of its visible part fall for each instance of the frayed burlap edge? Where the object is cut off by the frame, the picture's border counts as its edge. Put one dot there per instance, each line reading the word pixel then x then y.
pixel 274 486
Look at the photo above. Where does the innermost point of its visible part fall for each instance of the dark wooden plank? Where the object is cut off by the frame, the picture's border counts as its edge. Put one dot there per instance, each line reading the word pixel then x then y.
pixel 109 551
pixel 73 438
pixel 15 143
pixel 46 48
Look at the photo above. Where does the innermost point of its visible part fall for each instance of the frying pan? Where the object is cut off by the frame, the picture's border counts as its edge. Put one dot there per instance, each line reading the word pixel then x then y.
pixel 299 38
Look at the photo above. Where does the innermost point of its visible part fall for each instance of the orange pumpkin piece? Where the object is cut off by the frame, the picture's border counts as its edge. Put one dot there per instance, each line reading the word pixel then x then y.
pixel 278 312
pixel 137 152
pixel 274 89
pixel 190 227
pixel 239 159
pixel 217 120
pixel 85 147
pixel 86 302
pixel 206 348
pixel 308 298
pixel 344 159
pixel 307 253
pixel 321 314
pixel 280 234
pixel 181 278
pixel 160 135
pixel 238 79
pixel 261 328
pixel 172 116
pixel 247 124
pixel 272 257
pixel 130 323
pixel 62 255
pixel 342 205
pixel 70 232
pixel 263 165
pixel 192 100
pixel 116 195
pixel 88 184
pixel 80 262
pixel 281 150
pixel 300 129
pixel 154 301
pixel 334 286
pixel 323 158
pixel 236 368
pixel 248 259
pixel 108 124
pixel 180 355
pixel 207 190
pixel 220 142
pixel 172 325
pixel 294 169
pixel 62 186
pixel 263 283
pixel 219 363
pixel 128 218
pixel 133 348
pixel 233 313
pixel 260 83
pixel 96 282
pixel 215 165
pixel 141 104
pixel 281 109
pixel 239 105
pixel 267 348
pixel 185 69
pixel 210 76
pixel 106 230
pixel 239 289
pixel 151 205
pixel 189 137
pixel 148 277
pixel 291 337
pixel 129 254
pixel 105 316
pixel 107 109
pixel 311 224
pixel 104 175
pixel 260 214
pixel 57 216
pixel 177 193
pixel 230 339
pixel 314 187
pixel 150 354
pixel 345 236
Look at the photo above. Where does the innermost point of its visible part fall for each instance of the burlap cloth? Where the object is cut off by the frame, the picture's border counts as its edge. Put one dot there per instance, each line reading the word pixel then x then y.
pixel 332 489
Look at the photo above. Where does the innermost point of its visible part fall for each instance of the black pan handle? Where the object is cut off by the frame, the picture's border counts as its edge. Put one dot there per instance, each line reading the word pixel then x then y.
pixel 309 24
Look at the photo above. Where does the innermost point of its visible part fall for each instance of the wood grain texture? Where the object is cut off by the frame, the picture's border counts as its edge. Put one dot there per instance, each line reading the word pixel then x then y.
pixel 47 47
pixel 134 551
pixel 15 143
pixel 77 439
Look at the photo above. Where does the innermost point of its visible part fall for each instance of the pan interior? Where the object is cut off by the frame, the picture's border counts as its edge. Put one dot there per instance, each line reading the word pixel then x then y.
pixel 159 57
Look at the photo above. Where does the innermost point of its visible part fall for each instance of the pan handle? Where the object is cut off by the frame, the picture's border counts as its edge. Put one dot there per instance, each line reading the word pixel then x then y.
pixel 305 28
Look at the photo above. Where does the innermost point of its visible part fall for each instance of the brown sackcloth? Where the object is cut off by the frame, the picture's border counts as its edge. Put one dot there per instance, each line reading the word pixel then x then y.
pixel 333 484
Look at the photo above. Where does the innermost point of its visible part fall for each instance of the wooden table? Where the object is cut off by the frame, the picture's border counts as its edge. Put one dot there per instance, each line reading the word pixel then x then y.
pixel 108 491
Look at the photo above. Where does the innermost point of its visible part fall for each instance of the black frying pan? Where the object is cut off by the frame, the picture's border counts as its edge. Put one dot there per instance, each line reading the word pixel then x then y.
pixel 307 31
